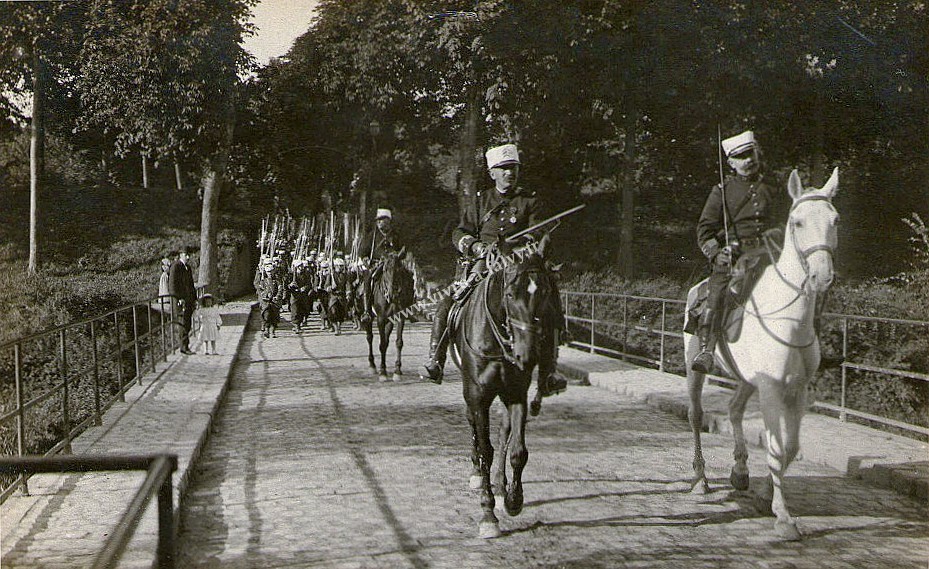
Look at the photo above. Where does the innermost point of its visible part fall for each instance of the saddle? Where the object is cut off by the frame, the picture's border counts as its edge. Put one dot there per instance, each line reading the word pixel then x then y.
pixel 458 300
pixel 745 274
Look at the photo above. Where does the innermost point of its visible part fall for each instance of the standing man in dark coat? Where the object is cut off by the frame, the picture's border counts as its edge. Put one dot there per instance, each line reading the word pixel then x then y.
pixel 752 207
pixel 181 287
pixel 502 211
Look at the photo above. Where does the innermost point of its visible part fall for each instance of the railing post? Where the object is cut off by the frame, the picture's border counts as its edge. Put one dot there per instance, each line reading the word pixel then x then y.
pixel 119 356
pixel 135 344
pixel 167 535
pixel 661 345
pixel 65 415
pixel 593 318
pixel 173 323
pixel 843 416
pixel 161 312
pixel 151 340
pixel 625 323
pixel 93 340
pixel 20 412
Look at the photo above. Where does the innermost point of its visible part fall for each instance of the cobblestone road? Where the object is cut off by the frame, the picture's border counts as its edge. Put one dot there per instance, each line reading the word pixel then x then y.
pixel 315 464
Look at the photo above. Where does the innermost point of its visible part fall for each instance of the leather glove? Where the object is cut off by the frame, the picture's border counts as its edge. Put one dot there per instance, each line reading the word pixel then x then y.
pixel 478 249
pixel 710 248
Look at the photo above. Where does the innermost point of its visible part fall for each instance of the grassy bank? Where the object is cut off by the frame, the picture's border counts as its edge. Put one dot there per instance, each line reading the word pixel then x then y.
pixel 99 247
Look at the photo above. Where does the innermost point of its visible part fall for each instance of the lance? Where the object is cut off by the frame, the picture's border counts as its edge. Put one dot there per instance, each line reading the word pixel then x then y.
pixel 545 222
pixel 722 181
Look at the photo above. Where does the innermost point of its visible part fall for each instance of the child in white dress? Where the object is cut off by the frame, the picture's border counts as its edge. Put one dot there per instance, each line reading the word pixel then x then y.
pixel 210 322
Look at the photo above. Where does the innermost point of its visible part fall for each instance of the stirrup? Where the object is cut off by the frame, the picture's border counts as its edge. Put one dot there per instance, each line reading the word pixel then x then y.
pixel 434 372
pixel 552 384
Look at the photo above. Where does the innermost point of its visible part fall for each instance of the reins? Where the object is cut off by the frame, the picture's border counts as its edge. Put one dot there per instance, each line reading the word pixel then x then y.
pixel 770 246
pixel 502 331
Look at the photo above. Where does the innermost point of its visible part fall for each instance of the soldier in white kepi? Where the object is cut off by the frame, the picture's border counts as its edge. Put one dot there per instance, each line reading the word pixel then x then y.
pixel 732 223
pixel 501 212
pixel 377 244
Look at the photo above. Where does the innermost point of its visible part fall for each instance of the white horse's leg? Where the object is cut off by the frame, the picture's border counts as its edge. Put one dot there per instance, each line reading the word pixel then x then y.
pixel 738 477
pixel 695 415
pixel 782 405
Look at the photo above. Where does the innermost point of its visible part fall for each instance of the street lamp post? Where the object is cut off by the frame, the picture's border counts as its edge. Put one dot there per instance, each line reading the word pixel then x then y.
pixel 374 128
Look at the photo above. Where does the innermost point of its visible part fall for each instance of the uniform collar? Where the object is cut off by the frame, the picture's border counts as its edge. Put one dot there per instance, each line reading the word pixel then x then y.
pixel 755 178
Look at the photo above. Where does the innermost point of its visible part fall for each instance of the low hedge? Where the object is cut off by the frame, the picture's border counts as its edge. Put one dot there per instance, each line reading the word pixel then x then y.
pixel 888 345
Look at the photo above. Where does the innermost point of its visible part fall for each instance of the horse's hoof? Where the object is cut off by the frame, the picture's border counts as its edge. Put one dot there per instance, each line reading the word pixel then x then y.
pixel 514 507
pixel 700 487
pixel 787 530
pixel 397 377
pixel 475 482
pixel 739 480
pixel 534 408
pixel 382 378
pixel 488 530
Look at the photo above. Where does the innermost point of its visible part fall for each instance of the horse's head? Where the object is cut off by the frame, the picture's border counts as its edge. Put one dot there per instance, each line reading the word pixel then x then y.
pixel 392 273
pixel 527 290
pixel 811 228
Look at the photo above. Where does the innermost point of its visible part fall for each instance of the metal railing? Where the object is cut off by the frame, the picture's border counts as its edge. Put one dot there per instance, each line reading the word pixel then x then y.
pixel 160 469
pixel 663 317
pixel 65 378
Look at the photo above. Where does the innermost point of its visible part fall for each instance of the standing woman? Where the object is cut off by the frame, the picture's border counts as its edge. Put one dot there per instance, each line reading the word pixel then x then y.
pixel 163 291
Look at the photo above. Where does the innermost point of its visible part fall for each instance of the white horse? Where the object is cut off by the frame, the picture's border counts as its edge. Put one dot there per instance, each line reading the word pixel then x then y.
pixel 777 351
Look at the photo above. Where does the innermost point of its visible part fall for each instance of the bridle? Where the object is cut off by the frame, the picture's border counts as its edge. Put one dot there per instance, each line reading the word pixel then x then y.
pixel 503 331
pixel 804 254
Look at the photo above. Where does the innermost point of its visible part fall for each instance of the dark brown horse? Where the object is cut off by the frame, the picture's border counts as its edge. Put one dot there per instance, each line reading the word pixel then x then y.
pixel 391 294
pixel 496 346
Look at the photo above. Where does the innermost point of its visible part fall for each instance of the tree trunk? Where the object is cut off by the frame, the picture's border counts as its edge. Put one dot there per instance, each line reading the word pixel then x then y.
pixel 177 175
pixel 817 176
pixel 144 170
pixel 626 261
pixel 467 179
pixel 213 187
pixel 36 158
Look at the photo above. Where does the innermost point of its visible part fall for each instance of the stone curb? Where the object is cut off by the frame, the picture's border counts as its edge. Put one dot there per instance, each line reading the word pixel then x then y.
pixel 196 393
pixel 184 478
pixel 875 457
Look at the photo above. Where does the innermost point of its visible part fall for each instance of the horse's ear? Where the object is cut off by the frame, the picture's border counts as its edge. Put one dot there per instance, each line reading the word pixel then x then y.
pixel 832 186
pixel 402 253
pixel 794 186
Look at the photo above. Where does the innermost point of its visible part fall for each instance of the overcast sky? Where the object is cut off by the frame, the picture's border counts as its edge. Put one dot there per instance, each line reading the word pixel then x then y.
pixel 279 23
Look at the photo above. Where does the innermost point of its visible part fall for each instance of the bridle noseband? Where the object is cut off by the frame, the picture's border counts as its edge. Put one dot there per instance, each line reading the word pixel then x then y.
pixel 805 253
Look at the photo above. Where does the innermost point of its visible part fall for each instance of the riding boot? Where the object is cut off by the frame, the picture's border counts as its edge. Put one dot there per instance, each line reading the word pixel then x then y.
pixel 366 297
pixel 708 332
pixel 438 344
pixel 551 382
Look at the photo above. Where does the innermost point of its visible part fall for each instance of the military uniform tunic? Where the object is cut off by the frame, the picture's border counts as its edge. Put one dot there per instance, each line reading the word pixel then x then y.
pixel 752 207
pixel 379 244
pixel 498 216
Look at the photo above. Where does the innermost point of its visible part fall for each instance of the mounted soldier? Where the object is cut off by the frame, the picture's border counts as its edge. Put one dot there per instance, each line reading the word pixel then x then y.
pixel 376 245
pixel 502 212
pixel 739 212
